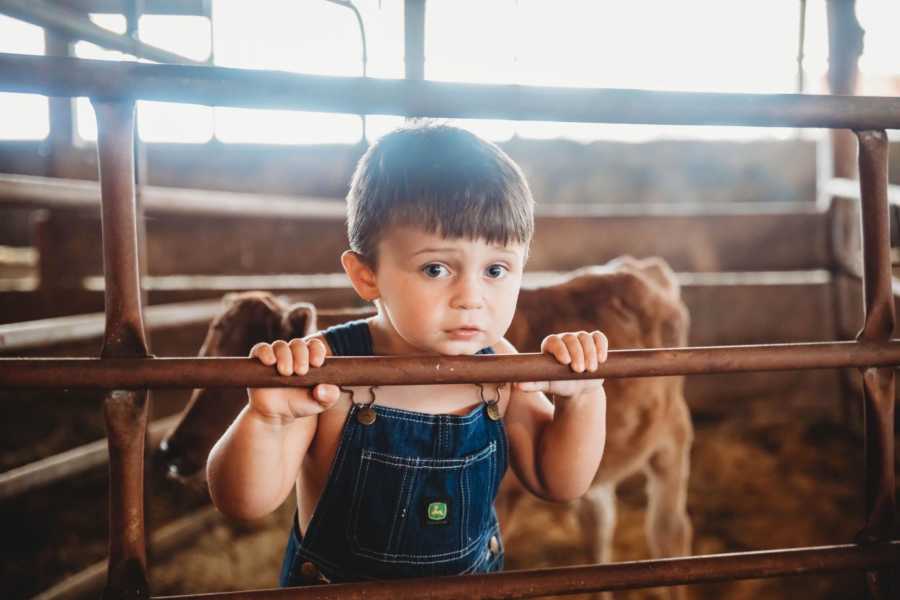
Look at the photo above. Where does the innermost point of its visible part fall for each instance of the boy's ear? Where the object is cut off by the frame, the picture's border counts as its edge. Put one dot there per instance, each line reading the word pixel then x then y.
pixel 361 275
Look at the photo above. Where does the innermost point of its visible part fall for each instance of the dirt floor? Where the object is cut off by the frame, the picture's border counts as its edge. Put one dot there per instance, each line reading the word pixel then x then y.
pixel 766 475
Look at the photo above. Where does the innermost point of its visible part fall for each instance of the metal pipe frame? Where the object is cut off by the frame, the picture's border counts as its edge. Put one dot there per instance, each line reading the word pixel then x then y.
pixel 878 382
pixel 162 373
pixel 125 363
pixel 594 578
pixel 220 86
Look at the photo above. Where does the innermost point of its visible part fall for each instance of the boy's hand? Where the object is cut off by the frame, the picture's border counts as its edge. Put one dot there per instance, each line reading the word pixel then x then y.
pixel 582 351
pixel 283 405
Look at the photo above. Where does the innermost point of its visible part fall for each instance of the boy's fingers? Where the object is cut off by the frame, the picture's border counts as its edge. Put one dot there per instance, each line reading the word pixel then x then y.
pixel 532 386
pixel 300 355
pixel 576 352
pixel 326 394
pixel 263 353
pixel 602 344
pixel 316 352
pixel 554 345
pixel 285 364
pixel 586 340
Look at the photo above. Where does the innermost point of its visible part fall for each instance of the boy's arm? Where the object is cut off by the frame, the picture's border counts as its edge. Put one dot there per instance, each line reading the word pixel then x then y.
pixel 555 450
pixel 254 465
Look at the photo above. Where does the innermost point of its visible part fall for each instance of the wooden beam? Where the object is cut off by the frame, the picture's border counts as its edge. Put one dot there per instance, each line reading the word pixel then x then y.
pixel 72 462
pixel 68 250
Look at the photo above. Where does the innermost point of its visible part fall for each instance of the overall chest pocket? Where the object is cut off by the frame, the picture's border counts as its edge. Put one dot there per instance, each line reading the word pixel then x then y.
pixel 417 511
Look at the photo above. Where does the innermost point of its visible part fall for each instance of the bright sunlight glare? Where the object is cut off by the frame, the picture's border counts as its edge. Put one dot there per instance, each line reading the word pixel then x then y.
pixel 691 45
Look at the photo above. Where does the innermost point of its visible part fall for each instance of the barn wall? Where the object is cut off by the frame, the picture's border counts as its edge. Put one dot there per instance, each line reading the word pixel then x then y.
pixel 558 171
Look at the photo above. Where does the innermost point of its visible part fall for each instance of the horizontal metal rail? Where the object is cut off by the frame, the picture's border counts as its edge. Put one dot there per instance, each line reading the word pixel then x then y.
pixel 71 462
pixel 617 576
pixel 220 86
pixel 139 373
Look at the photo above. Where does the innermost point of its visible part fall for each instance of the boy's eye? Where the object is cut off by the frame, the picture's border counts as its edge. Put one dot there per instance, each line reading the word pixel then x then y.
pixel 435 270
pixel 496 271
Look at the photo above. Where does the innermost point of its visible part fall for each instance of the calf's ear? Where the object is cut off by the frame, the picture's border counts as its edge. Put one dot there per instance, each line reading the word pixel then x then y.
pixel 300 321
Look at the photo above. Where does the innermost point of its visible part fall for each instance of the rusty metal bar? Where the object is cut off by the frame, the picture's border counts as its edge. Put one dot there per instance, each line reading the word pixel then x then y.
pixel 77 26
pixel 126 411
pixel 71 462
pixel 125 335
pixel 220 86
pixel 409 370
pixel 573 580
pixel 878 383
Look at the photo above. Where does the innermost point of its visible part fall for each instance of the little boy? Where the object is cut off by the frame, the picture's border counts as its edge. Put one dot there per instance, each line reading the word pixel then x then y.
pixel 400 481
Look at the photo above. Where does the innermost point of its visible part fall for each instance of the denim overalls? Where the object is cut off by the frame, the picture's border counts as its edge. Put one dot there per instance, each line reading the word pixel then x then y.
pixel 409 495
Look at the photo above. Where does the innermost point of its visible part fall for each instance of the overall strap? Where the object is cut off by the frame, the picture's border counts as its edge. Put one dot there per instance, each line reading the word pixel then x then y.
pixel 354 339
pixel 350 339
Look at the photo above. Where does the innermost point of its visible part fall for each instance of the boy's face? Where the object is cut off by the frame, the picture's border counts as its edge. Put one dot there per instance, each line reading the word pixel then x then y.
pixel 448 296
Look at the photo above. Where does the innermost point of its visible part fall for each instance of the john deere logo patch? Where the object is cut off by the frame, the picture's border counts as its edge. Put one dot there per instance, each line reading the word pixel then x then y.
pixel 436 512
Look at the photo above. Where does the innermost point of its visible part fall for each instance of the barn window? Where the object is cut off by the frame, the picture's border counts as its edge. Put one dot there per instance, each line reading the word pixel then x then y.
pixel 305 37
pixel 32 118
pixel 157 121
pixel 699 46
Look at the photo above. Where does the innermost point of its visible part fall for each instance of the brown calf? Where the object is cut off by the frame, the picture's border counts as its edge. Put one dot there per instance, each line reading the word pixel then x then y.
pixel 637 304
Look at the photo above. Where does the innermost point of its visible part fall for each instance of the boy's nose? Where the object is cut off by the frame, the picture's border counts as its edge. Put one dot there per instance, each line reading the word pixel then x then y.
pixel 467 294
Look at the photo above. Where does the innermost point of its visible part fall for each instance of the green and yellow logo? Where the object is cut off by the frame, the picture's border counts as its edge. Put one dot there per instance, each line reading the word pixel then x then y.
pixel 437 511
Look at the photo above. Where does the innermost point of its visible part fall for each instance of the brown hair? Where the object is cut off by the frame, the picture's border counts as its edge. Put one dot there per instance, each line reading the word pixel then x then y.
pixel 442 178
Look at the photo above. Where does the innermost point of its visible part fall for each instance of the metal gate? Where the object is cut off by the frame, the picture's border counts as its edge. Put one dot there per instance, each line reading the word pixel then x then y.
pixel 126 370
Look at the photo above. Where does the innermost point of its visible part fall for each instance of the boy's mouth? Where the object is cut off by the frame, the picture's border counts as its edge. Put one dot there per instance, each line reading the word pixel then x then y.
pixel 463 332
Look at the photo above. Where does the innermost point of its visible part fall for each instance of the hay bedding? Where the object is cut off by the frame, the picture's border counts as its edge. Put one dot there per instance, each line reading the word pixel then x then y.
pixel 769 477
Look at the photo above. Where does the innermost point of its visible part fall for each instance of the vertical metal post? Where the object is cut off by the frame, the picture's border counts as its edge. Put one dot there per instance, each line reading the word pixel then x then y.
pixel 845 45
pixel 62 115
pixel 125 411
pixel 414 39
pixel 878 383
